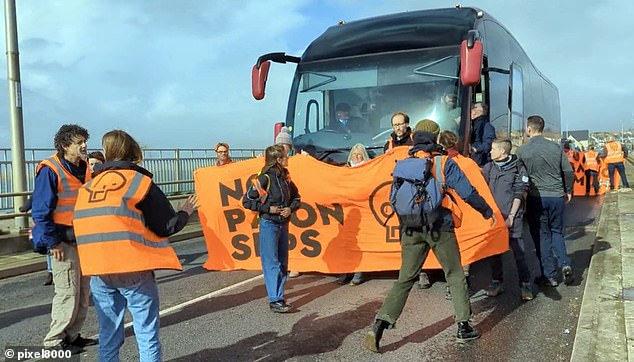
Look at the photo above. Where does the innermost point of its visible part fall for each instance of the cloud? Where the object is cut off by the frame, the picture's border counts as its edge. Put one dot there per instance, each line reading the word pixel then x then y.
pixel 178 74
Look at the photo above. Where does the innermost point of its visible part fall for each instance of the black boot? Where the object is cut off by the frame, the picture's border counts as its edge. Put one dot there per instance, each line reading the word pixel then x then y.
pixel 49 279
pixel 374 336
pixel 466 332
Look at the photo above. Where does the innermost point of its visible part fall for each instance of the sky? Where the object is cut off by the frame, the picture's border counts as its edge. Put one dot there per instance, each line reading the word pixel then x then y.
pixel 178 73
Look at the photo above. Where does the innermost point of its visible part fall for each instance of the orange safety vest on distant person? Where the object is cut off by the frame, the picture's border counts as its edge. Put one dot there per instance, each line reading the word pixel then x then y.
pixel 67 186
pixel 615 152
pixel 111 233
pixel 591 161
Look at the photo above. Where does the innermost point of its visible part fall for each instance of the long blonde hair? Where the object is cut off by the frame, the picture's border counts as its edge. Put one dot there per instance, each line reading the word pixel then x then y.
pixel 120 146
pixel 360 147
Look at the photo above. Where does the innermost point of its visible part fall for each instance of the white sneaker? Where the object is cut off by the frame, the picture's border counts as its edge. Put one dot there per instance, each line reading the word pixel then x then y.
pixel 293 274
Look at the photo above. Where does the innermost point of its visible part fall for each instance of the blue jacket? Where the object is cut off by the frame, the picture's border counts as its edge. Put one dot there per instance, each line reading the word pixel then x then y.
pixel 482 137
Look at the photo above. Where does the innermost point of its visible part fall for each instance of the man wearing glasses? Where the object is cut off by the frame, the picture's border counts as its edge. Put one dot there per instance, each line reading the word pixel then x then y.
pixel 222 152
pixel 402 134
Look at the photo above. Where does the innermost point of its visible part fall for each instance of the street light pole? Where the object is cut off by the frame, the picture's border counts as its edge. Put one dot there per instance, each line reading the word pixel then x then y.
pixel 15 111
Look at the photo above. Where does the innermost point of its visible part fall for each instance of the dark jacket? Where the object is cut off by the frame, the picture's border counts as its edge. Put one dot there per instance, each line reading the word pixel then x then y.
pixel 455 179
pixel 406 140
pixel 158 213
pixel 548 168
pixel 482 136
pixel 508 180
pixel 281 192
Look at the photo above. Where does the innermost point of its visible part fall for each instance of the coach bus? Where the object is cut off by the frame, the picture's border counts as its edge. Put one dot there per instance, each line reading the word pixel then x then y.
pixel 430 64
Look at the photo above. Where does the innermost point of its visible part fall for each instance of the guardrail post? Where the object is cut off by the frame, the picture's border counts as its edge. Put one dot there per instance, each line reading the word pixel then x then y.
pixel 15 110
pixel 178 170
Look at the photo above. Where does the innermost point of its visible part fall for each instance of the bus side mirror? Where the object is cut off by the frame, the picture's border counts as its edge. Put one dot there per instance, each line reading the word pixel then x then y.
pixel 258 79
pixel 470 62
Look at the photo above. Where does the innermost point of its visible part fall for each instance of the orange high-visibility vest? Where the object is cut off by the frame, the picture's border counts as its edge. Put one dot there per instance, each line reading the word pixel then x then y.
pixel 591 161
pixel 390 141
pixel 111 233
pixel 615 152
pixel 67 186
pixel 450 194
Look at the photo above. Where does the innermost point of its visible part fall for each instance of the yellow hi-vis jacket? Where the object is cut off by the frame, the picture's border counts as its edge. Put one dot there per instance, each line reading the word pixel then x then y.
pixel 67 186
pixel 111 233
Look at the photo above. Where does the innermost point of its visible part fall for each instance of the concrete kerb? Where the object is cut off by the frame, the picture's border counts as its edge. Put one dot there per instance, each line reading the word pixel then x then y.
pixel 600 334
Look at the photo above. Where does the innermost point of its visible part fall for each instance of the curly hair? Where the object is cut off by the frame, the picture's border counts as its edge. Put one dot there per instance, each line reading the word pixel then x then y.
pixel 66 133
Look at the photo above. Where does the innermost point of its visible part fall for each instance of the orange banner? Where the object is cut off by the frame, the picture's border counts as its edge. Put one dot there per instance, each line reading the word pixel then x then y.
pixel 339 226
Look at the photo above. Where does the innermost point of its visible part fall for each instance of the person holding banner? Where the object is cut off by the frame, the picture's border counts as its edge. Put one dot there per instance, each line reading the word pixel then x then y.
pixel 441 238
pixel 357 156
pixel 275 197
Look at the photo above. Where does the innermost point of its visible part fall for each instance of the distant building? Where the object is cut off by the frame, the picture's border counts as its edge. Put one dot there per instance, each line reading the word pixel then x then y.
pixel 578 139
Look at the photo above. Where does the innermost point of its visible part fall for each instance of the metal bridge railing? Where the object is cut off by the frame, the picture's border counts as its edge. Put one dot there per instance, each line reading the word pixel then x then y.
pixel 173 169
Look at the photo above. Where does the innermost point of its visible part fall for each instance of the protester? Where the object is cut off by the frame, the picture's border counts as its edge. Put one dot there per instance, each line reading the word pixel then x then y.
pixel 222 154
pixel 95 158
pixel 592 170
pixel 548 194
pixel 275 197
pixel 613 155
pixel 358 156
pixel 402 134
pixel 482 134
pixel 441 238
pixel 449 142
pixel 56 183
pixel 122 234
pixel 508 180
pixel 284 138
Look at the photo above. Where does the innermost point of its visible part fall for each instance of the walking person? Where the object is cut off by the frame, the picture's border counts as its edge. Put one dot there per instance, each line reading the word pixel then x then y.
pixel 439 237
pixel 122 221
pixel 592 170
pixel 56 183
pixel 508 180
pixel 614 156
pixel 548 194
pixel 275 197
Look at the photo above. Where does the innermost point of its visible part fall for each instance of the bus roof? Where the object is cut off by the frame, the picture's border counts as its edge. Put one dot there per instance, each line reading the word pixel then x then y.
pixel 394 32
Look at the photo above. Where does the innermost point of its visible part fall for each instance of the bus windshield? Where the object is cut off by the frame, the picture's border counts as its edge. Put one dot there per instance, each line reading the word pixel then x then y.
pixel 337 103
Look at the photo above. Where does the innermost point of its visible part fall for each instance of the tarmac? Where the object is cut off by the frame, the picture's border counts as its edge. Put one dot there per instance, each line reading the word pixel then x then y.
pixel 605 329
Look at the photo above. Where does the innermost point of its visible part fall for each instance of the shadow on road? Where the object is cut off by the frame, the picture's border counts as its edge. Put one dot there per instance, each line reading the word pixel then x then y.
pixel 311 335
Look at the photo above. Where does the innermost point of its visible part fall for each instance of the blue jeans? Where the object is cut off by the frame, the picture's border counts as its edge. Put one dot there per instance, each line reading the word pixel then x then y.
pixel 546 222
pixel 139 293
pixel 619 167
pixel 274 256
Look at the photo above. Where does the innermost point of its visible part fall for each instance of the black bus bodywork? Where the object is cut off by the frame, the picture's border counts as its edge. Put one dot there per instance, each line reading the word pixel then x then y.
pixel 414 62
